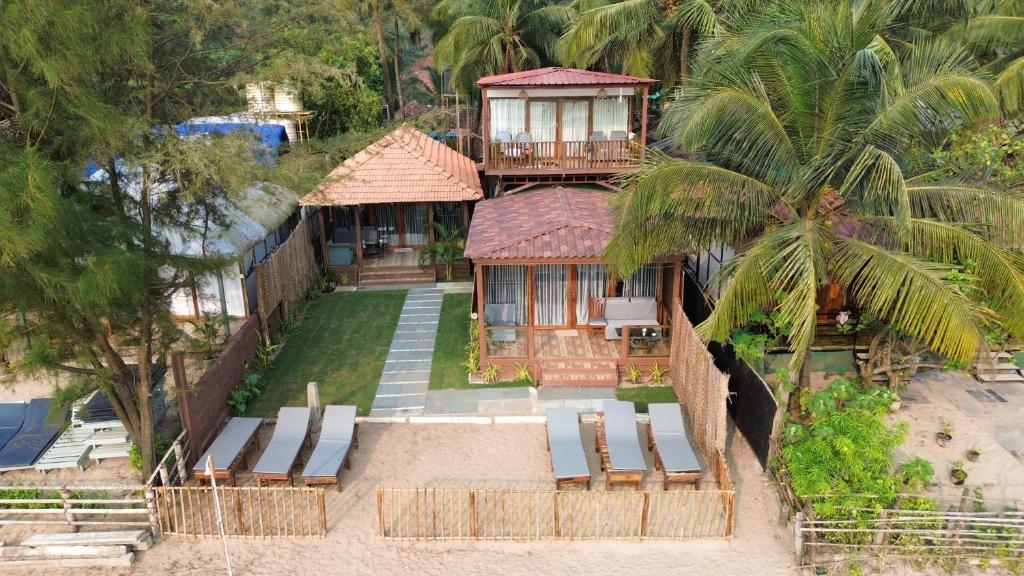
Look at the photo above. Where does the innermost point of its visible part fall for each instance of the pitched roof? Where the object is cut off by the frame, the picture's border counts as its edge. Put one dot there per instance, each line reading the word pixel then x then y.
pixel 404 166
pixel 554 76
pixel 555 222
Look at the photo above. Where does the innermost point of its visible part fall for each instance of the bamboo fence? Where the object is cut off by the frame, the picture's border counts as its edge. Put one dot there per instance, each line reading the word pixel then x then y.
pixel 523 515
pixel 247 512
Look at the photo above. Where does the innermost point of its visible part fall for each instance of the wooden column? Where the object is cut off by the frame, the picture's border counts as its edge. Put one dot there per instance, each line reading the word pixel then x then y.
pixel 529 311
pixel 481 297
pixel 359 235
pixel 643 124
pixel 465 214
pixel 430 222
pixel 485 131
pixel 323 236
pixel 677 284
pixel 571 294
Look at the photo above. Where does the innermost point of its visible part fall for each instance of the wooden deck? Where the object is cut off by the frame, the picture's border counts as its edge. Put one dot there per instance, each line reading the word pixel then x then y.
pixel 400 257
pixel 576 343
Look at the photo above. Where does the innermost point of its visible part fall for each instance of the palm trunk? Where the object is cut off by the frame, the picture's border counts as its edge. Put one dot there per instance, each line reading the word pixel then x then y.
pixel 382 46
pixel 398 66
pixel 803 384
pixel 684 57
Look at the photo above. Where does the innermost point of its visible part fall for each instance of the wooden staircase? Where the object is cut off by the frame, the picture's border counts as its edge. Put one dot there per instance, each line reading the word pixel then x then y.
pixel 998 368
pixel 385 275
pixel 579 373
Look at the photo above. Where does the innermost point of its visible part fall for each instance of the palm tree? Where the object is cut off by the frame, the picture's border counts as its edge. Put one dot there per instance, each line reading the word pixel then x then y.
pixel 446 249
pixel 793 126
pixel 641 37
pixel 486 37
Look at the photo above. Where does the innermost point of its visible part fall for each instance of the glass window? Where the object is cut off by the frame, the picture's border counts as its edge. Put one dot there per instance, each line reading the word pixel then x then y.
pixel 508 118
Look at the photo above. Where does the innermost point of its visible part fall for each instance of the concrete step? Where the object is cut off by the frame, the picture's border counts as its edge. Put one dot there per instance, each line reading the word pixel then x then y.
pixel 578 373
pixel 1014 377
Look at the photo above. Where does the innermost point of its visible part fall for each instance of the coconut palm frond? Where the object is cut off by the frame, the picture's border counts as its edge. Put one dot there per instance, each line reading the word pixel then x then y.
pixel 912 295
pixel 595 29
pixel 965 202
pixel 1010 85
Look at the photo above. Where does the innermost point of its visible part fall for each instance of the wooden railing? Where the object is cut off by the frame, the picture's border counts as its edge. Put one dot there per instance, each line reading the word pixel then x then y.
pixel 558 156
pixel 490 514
pixel 77 506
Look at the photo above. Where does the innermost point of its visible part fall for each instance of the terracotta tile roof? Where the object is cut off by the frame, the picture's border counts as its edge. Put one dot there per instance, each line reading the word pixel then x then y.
pixel 553 222
pixel 404 166
pixel 561 77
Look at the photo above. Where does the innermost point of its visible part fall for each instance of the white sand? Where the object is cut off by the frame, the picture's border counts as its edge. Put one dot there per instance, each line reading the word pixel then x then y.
pixel 431 455
pixel 463 455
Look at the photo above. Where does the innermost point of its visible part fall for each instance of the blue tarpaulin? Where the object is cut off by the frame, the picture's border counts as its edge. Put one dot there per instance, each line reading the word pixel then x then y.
pixel 32 440
pixel 271 135
pixel 12 415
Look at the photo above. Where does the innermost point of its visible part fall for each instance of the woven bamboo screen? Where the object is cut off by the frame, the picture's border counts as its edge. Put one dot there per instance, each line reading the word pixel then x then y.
pixel 285 276
pixel 700 386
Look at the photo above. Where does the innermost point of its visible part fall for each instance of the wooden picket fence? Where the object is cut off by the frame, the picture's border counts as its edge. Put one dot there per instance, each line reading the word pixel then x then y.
pixel 247 512
pixel 490 514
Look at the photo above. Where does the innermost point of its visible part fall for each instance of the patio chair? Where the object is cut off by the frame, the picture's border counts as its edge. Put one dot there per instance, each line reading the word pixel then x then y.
pixel 673 453
pixel 619 444
pixel 229 449
pixel 617 146
pixel 338 435
pixel 597 145
pixel 290 433
pixel 501 315
pixel 568 460
pixel 344 235
pixel 371 241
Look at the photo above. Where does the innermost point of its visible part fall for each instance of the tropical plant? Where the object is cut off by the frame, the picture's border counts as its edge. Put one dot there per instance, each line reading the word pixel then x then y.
pixel 793 127
pixel 248 390
pixel 446 249
pixel 522 373
pixel 634 374
pixel 484 37
pixel 642 37
pixel 209 332
pixel 657 374
pixel 491 374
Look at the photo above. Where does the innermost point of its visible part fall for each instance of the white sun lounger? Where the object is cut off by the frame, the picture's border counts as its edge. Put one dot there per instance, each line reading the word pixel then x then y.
pixel 568 460
pixel 229 449
pixel 277 461
pixel 621 455
pixel 338 435
pixel 673 453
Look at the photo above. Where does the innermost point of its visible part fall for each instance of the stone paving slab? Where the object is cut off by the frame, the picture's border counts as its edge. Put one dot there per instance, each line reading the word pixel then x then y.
pixel 402 389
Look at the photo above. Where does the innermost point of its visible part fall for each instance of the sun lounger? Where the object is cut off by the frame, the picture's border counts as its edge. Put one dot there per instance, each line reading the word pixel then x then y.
pixel 622 459
pixel 673 454
pixel 34 437
pixel 568 460
pixel 229 449
pixel 277 461
pixel 338 435
pixel 12 416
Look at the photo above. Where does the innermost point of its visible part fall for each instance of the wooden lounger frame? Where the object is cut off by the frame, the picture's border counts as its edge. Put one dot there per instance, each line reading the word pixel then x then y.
pixel 633 478
pixel 670 478
pixel 346 464
pixel 241 459
pixel 581 482
pixel 271 477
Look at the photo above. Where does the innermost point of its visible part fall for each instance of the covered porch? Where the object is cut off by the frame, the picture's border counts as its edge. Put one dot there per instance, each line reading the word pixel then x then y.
pixel 384 205
pixel 544 298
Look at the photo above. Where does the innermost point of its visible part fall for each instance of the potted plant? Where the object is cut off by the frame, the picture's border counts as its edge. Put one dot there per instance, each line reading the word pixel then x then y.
pixel 957 474
pixel 974 453
pixel 945 436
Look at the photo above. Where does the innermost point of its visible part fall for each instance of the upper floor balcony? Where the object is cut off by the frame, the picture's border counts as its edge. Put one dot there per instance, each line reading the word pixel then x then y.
pixel 563 121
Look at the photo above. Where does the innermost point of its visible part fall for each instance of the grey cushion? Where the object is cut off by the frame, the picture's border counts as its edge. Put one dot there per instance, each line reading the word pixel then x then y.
pixel 289 434
pixel 621 436
pixel 335 441
pixel 567 457
pixel 669 431
pixel 229 443
pixel 621 311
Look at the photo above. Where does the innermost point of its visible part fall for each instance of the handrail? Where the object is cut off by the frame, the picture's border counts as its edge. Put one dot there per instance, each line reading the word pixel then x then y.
pixel 568 155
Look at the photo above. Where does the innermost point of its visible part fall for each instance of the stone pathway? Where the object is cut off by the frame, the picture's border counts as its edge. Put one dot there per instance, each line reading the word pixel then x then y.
pixel 403 384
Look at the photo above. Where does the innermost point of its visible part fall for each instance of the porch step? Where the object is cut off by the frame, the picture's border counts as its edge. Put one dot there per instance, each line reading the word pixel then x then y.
pixel 578 373
pixel 395 275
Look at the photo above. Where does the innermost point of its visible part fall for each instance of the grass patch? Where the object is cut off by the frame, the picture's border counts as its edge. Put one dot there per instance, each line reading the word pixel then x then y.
pixel 644 395
pixel 450 346
pixel 341 344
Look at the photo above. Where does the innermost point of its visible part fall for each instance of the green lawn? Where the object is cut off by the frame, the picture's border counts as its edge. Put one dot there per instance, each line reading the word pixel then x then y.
pixel 448 370
pixel 341 344
pixel 644 395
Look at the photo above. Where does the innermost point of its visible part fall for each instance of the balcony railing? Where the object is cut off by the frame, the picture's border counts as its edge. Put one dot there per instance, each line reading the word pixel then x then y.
pixel 561 156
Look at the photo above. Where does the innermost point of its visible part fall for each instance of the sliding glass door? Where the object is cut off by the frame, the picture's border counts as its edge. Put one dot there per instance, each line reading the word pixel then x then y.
pixel 591 282
pixel 550 294
pixel 415 224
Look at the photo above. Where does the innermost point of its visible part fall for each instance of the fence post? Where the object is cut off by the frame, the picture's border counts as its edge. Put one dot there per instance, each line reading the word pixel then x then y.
pixel 798 537
pixel 472 514
pixel 69 516
pixel 322 508
pixel 380 510
pixel 179 461
pixel 154 517
pixel 557 513
pixel 313 393
pixel 165 476
pixel 644 515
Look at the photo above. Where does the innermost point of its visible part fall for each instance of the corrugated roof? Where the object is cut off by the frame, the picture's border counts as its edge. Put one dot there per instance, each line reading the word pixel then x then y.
pixel 554 76
pixel 404 166
pixel 555 223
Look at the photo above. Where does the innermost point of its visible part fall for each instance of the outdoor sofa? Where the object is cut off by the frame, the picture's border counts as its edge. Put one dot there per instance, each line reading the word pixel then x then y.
pixel 620 311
